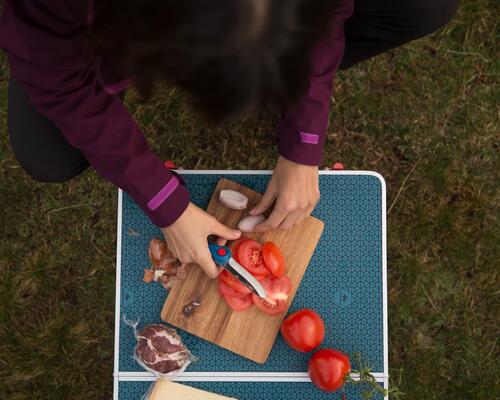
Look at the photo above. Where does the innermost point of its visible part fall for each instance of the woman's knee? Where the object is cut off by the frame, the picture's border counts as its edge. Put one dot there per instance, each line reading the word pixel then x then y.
pixel 430 15
pixel 47 173
pixel 46 166
pixel 37 143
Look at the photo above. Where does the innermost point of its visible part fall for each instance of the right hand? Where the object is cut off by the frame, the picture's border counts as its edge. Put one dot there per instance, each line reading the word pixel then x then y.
pixel 187 238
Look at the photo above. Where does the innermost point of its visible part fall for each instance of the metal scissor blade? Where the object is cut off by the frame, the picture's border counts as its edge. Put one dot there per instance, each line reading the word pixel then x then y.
pixel 245 277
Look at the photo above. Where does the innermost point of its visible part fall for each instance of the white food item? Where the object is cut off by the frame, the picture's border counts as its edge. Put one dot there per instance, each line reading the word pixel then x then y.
pixel 248 223
pixel 168 390
pixel 233 199
pixel 158 273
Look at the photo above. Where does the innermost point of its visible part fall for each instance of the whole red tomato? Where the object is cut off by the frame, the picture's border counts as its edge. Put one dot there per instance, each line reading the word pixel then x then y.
pixel 303 330
pixel 328 368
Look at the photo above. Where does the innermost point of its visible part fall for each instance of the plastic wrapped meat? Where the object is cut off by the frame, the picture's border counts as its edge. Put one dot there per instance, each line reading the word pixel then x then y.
pixel 160 349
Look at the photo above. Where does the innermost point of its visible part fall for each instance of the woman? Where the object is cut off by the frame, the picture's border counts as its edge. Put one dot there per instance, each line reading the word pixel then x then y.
pixel 71 61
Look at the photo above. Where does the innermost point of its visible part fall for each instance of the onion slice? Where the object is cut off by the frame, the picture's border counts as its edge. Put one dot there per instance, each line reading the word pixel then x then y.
pixel 233 199
pixel 248 223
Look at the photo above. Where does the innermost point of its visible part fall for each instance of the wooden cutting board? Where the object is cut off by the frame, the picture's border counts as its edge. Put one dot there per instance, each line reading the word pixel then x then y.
pixel 250 333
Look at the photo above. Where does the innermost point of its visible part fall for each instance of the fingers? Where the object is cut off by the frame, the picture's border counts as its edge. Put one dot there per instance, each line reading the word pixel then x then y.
pixel 221 241
pixel 266 202
pixel 205 261
pixel 224 231
pixel 292 219
pixel 273 221
pixel 283 218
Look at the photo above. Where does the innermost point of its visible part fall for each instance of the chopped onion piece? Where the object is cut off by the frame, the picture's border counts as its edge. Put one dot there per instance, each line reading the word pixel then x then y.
pixel 158 274
pixel 248 223
pixel 233 199
pixel 148 275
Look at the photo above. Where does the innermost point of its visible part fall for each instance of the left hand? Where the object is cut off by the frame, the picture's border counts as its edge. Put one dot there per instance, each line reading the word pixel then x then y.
pixel 295 187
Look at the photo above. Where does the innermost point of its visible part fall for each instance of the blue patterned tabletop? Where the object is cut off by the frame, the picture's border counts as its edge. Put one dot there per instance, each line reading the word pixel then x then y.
pixel 344 281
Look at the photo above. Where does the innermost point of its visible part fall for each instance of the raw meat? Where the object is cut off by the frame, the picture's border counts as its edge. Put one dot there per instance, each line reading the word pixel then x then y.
pixel 161 349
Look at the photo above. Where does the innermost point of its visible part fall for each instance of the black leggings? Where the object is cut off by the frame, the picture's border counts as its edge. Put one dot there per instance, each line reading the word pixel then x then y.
pixel 375 27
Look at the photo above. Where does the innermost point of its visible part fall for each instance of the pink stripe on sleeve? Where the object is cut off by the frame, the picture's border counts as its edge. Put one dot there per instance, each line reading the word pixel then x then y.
pixel 163 194
pixel 307 137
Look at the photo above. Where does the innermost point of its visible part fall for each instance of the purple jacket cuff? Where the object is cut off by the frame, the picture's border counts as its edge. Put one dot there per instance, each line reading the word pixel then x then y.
pixel 299 146
pixel 171 208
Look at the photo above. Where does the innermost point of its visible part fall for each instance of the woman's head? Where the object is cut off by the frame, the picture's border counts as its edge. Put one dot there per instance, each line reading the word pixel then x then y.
pixel 231 56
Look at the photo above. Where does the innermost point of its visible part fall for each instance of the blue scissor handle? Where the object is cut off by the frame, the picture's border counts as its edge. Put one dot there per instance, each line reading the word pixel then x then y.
pixel 220 254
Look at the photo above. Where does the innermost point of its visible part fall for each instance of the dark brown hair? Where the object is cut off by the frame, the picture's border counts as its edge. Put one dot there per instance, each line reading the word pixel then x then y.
pixel 229 55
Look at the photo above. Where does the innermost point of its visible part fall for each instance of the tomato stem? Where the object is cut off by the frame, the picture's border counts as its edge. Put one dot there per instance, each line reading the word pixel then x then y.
pixel 366 377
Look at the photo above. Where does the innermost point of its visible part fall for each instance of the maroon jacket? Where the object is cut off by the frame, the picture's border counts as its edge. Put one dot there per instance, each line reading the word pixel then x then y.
pixel 46 49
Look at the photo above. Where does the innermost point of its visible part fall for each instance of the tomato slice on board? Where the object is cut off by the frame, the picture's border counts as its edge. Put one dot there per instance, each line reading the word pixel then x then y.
pixel 273 259
pixel 261 277
pixel 250 256
pixel 241 302
pixel 278 290
pixel 225 289
pixel 234 245
pixel 271 307
pixel 234 283
pixel 235 300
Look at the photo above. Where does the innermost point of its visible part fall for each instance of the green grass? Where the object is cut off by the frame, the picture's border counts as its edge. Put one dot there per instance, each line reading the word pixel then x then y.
pixel 426 116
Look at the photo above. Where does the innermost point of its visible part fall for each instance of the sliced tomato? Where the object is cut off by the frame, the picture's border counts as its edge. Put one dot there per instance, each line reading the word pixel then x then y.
pixel 250 256
pixel 273 259
pixel 241 302
pixel 235 300
pixel 261 277
pixel 278 290
pixel 234 283
pixel 225 289
pixel 234 245
pixel 271 307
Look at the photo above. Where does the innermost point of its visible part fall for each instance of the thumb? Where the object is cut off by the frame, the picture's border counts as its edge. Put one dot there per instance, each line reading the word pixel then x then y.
pixel 264 203
pixel 224 231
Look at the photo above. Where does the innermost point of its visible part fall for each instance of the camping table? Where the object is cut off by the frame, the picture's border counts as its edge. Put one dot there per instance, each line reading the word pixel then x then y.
pixel 345 282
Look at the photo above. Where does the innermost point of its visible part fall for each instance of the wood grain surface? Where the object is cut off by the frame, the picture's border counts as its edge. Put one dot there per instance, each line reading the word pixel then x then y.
pixel 250 333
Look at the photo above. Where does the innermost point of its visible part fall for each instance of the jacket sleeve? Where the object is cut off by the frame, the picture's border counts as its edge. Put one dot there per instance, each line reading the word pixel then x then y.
pixel 301 132
pixel 49 58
